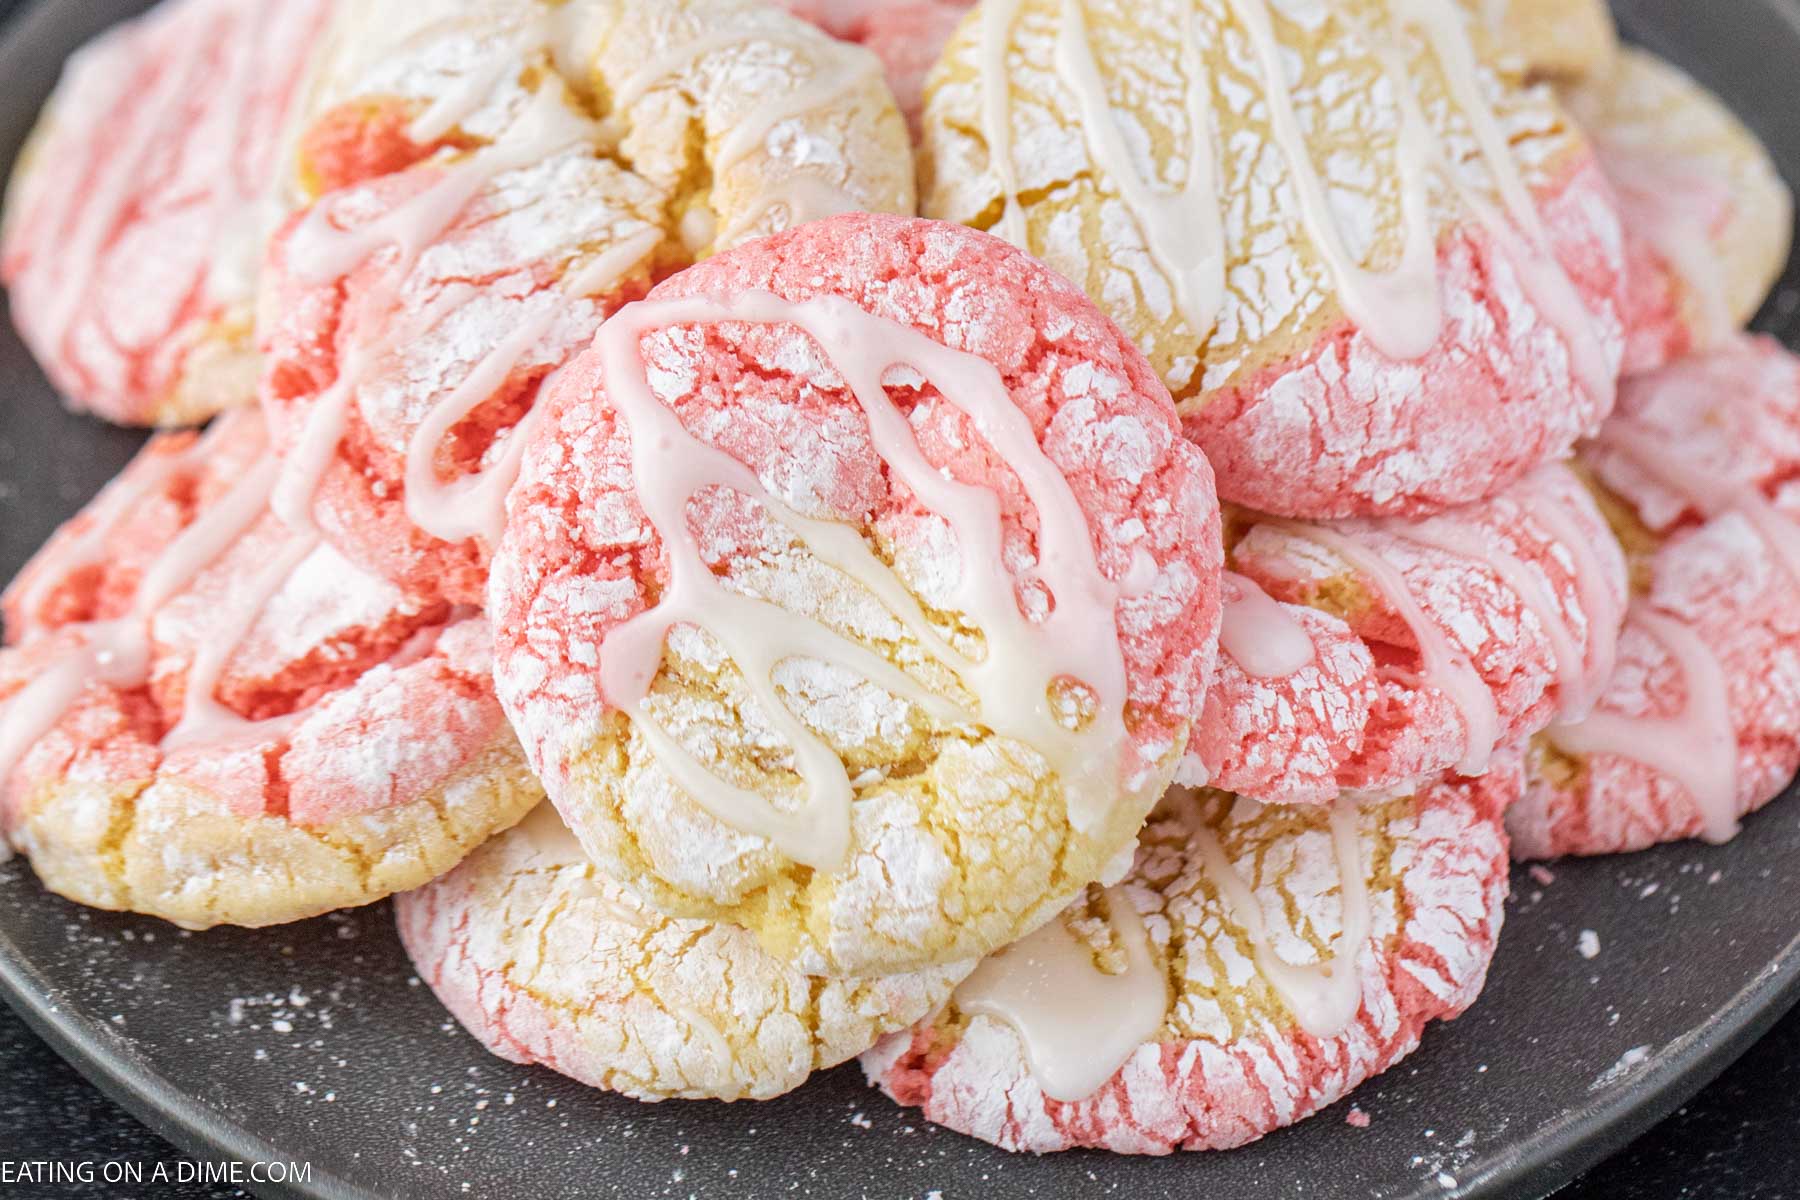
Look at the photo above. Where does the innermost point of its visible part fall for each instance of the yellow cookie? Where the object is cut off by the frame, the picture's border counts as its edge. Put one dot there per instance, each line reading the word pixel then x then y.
pixel 546 961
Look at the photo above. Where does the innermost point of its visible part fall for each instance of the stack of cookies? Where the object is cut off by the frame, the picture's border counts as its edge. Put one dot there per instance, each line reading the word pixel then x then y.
pixel 1058 546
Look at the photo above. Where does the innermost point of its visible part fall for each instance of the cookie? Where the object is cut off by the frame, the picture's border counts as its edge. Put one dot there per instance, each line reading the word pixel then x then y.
pixel 859 589
pixel 1383 279
pixel 136 217
pixel 1367 654
pixel 1564 41
pixel 1708 219
pixel 1256 965
pixel 1700 722
pixel 209 718
pixel 506 178
pixel 546 961
pixel 908 37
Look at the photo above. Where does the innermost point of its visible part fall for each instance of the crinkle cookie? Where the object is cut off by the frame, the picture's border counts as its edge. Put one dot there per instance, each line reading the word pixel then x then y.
pixel 1708 219
pixel 908 36
pixel 859 589
pixel 545 960
pixel 1379 273
pixel 136 218
pixel 1367 654
pixel 507 177
pixel 1700 723
pixel 211 719
pixel 1256 965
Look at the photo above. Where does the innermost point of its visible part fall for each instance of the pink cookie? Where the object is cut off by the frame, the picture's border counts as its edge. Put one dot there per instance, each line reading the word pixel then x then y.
pixel 135 224
pixel 908 36
pixel 1256 965
pixel 1436 641
pixel 209 718
pixel 1380 271
pixel 544 960
pixel 1708 219
pixel 414 316
pixel 1700 723
pixel 860 589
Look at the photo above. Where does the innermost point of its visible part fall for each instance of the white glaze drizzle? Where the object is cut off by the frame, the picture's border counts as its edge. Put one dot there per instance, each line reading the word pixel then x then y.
pixel 1447 667
pixel 1696 747
pixel 1183 230
pixel 1260 635
pixel 1324 997
pixel 1398 309
pixel 117 652
pixel 1077 1023
pixel 1528 246
pixel 1650 454
pixel 97 211
pixel 1011 683
pixel 1579 681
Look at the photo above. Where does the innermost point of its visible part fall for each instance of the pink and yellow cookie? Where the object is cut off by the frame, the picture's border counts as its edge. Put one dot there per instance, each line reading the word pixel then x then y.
pixel 1364 654
pixel 1700 722
pixel 859 589
pixel 506 179
pixel 136 217
pixel 1708 220
pixel 1379 272
pixel 207 717
pixel 1256 965
pixel 544 960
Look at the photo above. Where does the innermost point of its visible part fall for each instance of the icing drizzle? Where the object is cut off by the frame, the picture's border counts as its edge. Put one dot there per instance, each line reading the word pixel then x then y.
pixel 1078 1024
pixel 1398 309
pixel 1259 634
pixel 1696 747
pixel 1323 997
pixel 1012 683
pixel 117 652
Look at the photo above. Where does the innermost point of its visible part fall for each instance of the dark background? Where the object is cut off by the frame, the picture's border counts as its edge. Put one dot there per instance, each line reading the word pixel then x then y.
pixel 1736 1141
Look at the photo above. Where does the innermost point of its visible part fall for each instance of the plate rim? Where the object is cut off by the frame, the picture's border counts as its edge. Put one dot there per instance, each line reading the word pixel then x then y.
pixel 1536 1166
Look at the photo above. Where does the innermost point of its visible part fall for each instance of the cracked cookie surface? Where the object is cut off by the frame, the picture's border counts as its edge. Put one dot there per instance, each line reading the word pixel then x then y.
pixel 1708 219
pixel 1425 644
pixel 943 593
pixel 1383 278
pixel 208 718
pixel 544 960
pixel 488 184
pixel 1245 911
pixel 1700 722
pixel 136 216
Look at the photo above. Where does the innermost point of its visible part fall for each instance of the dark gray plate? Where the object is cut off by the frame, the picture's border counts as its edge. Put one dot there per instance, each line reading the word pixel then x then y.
pixel 315 1044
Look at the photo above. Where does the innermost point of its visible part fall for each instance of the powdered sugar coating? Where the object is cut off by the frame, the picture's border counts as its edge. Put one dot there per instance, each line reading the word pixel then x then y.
pixel 1284 739
pixel 546 961
pixel 617 134
pixel 134 225
pixel 908 37
pixel 1708 219
pixel 1371 714
pixel 1731 417
pixel 1299 411
pixel 960 839
pixel 1229 1063
pixel 384 756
